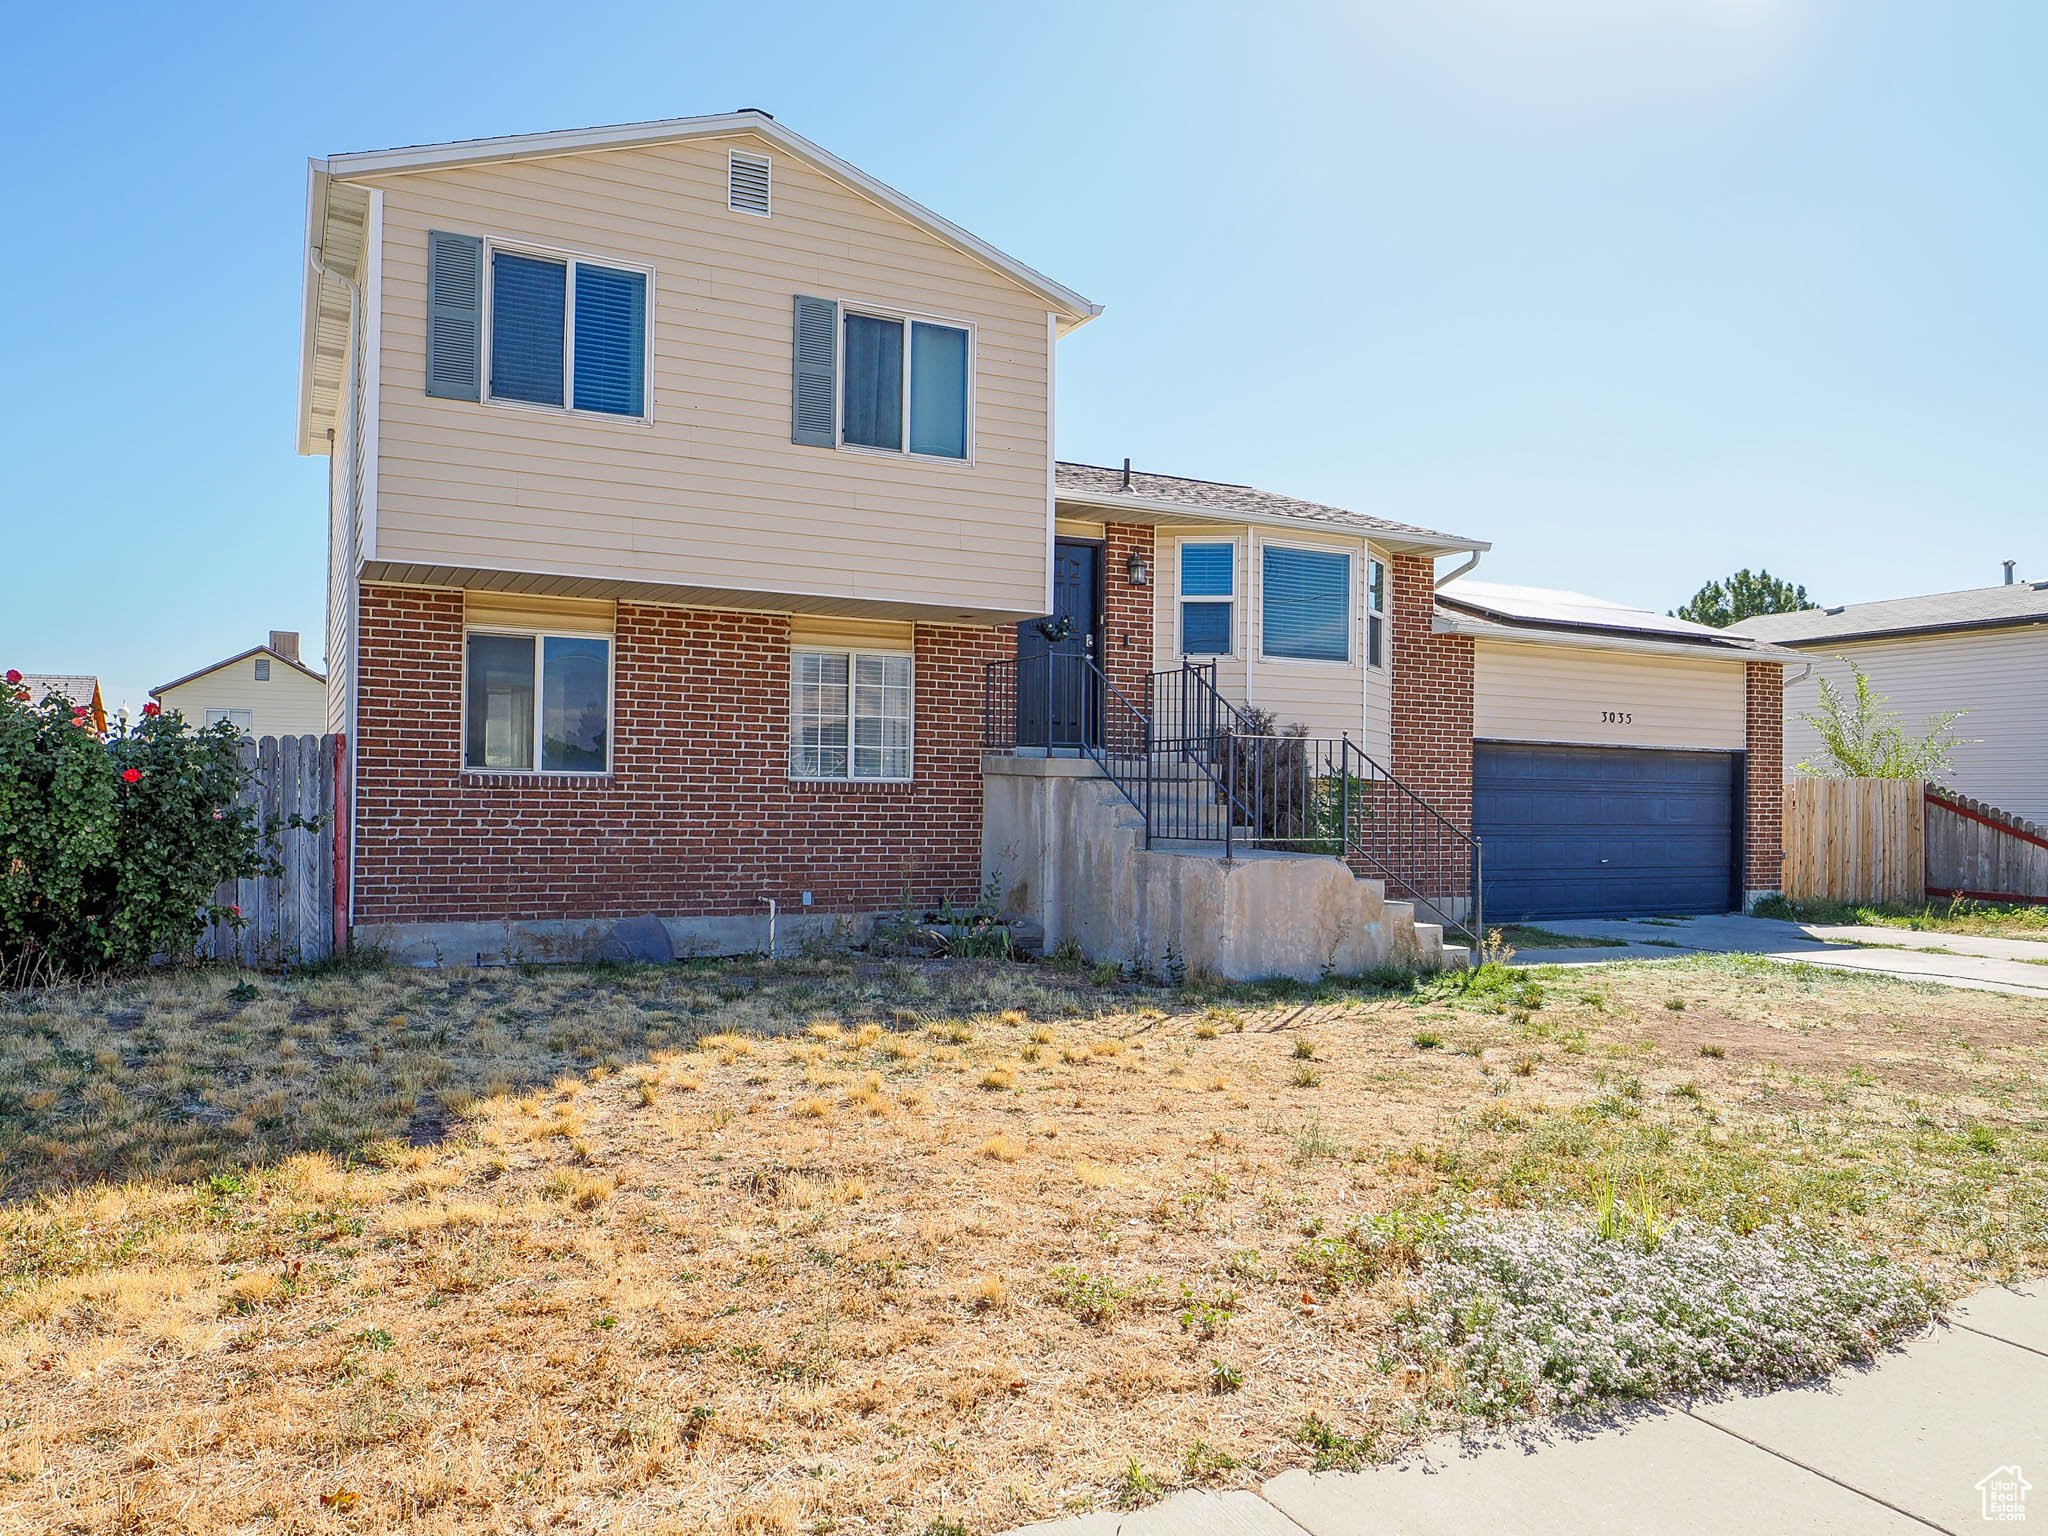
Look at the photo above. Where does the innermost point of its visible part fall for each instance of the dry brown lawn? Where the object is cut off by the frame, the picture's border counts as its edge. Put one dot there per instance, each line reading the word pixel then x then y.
pixel 861 1247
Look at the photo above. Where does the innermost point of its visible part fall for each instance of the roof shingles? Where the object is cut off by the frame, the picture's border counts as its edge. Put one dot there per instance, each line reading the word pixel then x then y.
pixel 1978 608
pixel 1218 499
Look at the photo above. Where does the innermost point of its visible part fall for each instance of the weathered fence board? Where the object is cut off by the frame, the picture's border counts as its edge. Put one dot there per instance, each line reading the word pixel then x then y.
pixel 1978 851
pixel 288 917
pixel 1855 840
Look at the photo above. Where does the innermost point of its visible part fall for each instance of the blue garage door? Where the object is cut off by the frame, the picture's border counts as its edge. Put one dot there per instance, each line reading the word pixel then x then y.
pixel 1605 831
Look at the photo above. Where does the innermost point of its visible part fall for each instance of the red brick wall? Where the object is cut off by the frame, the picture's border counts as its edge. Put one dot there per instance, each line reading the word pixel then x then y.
pixel 1764 816
pixel 699 816
pixel 1127 611
pixel 1432 694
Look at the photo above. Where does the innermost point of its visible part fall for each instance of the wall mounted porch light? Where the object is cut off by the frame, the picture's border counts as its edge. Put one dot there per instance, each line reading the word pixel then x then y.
pixel 1136 567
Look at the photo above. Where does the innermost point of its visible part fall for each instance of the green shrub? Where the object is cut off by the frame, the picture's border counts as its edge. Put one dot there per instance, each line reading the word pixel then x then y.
pixel 110 850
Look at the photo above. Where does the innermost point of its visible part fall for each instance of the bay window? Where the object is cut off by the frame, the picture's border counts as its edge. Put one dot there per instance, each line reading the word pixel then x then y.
pixel 1305 601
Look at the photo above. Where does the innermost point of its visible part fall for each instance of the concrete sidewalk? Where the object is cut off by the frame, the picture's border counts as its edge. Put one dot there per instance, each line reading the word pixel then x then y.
pixel 1900 1446
pixel 1953 960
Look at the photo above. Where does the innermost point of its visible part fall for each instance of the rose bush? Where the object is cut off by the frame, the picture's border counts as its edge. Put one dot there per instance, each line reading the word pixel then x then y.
pixel 110 850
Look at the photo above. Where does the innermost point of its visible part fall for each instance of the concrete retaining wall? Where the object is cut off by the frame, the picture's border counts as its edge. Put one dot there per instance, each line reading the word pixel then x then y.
pixel 1066 851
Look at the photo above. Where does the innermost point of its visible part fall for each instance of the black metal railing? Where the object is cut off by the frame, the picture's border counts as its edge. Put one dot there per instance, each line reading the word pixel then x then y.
pixel 1201 771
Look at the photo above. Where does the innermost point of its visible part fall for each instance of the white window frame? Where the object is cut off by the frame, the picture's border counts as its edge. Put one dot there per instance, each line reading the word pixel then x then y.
pixel 852 653
pixel 908 318
pixel 1352 604
pixel 539 636
pixel 1376 608
pixel 492 245
pixel 247 725
pixel 1181 599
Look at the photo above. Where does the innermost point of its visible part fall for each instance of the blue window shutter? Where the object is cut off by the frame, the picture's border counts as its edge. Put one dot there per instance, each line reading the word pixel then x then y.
pixel 611 340
pixel 1305 599
pixel 815 381
pixel 529 322
pixel 455 280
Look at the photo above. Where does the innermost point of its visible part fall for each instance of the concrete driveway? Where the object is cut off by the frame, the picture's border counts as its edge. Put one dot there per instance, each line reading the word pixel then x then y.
pixel 1923 1440
pixel 2018 966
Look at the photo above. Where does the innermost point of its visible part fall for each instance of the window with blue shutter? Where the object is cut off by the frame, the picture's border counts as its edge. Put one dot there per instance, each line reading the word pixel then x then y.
pixel 611 337
pixel 871 412
pixel 455 286
pixel 1208 585
pixel 903 384
pixel 938 390
pixel 537 304
pixel 1305 602
pixel 529 313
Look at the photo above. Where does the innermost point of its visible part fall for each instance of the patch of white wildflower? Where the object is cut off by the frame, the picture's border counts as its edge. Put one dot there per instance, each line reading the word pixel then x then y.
pixel 1538 1314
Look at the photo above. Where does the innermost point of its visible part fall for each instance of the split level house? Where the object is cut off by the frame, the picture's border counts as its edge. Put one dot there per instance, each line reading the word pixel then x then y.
pixel 698 543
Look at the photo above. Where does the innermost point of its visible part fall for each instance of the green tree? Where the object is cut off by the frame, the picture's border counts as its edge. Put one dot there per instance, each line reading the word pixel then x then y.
pixel 1861 739
pixel 1742 596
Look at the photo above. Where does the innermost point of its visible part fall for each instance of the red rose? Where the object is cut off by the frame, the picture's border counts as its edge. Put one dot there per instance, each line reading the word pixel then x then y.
pixel 152 710
pixel 78 709
pixel 13 675
pixel 131 775
pixel 235 909
pixel 21 694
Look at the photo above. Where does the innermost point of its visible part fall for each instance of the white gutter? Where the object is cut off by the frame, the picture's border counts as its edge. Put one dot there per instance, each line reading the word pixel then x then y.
pixel 1463 570
pixel 1180 512
pixel 1482 629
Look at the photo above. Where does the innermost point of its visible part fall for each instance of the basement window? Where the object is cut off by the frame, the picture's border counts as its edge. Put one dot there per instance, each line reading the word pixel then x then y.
pixel 537 703
pixel 850 715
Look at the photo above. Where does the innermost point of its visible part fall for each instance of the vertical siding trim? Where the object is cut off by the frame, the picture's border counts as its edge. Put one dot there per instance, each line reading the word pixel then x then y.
pixel 1052 352
pixel 373 349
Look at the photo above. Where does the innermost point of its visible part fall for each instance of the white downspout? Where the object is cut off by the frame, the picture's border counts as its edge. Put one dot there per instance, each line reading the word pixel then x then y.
pixel 1444 581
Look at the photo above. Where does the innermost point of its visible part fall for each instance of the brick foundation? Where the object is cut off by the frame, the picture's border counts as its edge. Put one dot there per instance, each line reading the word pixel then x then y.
pixel 1763 829
pixel 1127 611
pixel 698 818
pixel 1431 676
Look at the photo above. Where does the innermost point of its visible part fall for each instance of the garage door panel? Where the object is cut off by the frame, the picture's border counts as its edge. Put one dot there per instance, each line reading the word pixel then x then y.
pixel 1588 832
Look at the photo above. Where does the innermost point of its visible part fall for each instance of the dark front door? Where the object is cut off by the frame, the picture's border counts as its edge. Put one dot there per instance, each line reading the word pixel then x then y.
pixel 1058 705
pixel 1605 831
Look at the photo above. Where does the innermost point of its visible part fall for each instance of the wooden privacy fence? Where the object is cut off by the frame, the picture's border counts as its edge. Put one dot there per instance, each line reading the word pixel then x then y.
pixel 299 786
pixel 1855 840
pixel 1978 851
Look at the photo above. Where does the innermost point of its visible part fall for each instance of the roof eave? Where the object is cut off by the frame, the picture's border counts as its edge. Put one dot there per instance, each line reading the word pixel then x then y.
pixel 1521 632
pixel 1912 631
pixel 309 303
pixel 1076 309
pixel 1154 510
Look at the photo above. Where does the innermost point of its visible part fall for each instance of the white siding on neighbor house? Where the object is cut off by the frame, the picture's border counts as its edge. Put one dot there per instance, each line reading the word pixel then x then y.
pixel 1999 677
pixel 1577 696
pixel 1330 698
pixel 709 494
pixel 290 704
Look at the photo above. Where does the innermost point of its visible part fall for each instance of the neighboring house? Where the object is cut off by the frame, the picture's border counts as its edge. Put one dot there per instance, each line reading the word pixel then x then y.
pixel 694 507
pixel 266 691
pixel 1982 651
pixel 78 688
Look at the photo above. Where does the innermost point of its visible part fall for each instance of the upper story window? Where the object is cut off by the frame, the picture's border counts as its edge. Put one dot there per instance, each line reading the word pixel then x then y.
pixel 1305 600
pixel 536 703
pixel 889 382
pixel 1208 589
pixel 1375 613
pixel 535 328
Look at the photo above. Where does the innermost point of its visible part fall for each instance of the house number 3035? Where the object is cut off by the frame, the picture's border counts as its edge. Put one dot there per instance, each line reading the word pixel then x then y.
pixel 1617 717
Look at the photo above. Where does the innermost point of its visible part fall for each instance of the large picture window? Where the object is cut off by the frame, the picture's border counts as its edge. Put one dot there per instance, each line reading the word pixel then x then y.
pixel 1208 588
pixel 904 386
pixel 1305 600
pixel 570 332
pixel 537 703
pixel 850 715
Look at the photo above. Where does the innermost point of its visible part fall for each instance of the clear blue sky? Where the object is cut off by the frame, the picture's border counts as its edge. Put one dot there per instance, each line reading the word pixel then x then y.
pixel 1641 290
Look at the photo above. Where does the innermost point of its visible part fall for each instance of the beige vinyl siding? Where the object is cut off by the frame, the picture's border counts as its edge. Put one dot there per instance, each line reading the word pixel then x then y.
pixel 1998 677
pixel 852 634
pixel 1330 698
pixel 564 615
pixel 290 704
pixel 710 493
pixel 1555 693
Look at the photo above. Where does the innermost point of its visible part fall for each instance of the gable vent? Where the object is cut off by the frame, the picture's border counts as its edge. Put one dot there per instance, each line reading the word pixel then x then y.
pixel 747 187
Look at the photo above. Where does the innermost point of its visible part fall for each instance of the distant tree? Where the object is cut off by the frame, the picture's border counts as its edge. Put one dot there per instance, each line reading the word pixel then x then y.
pixel 1743 596
pixel 1861 739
